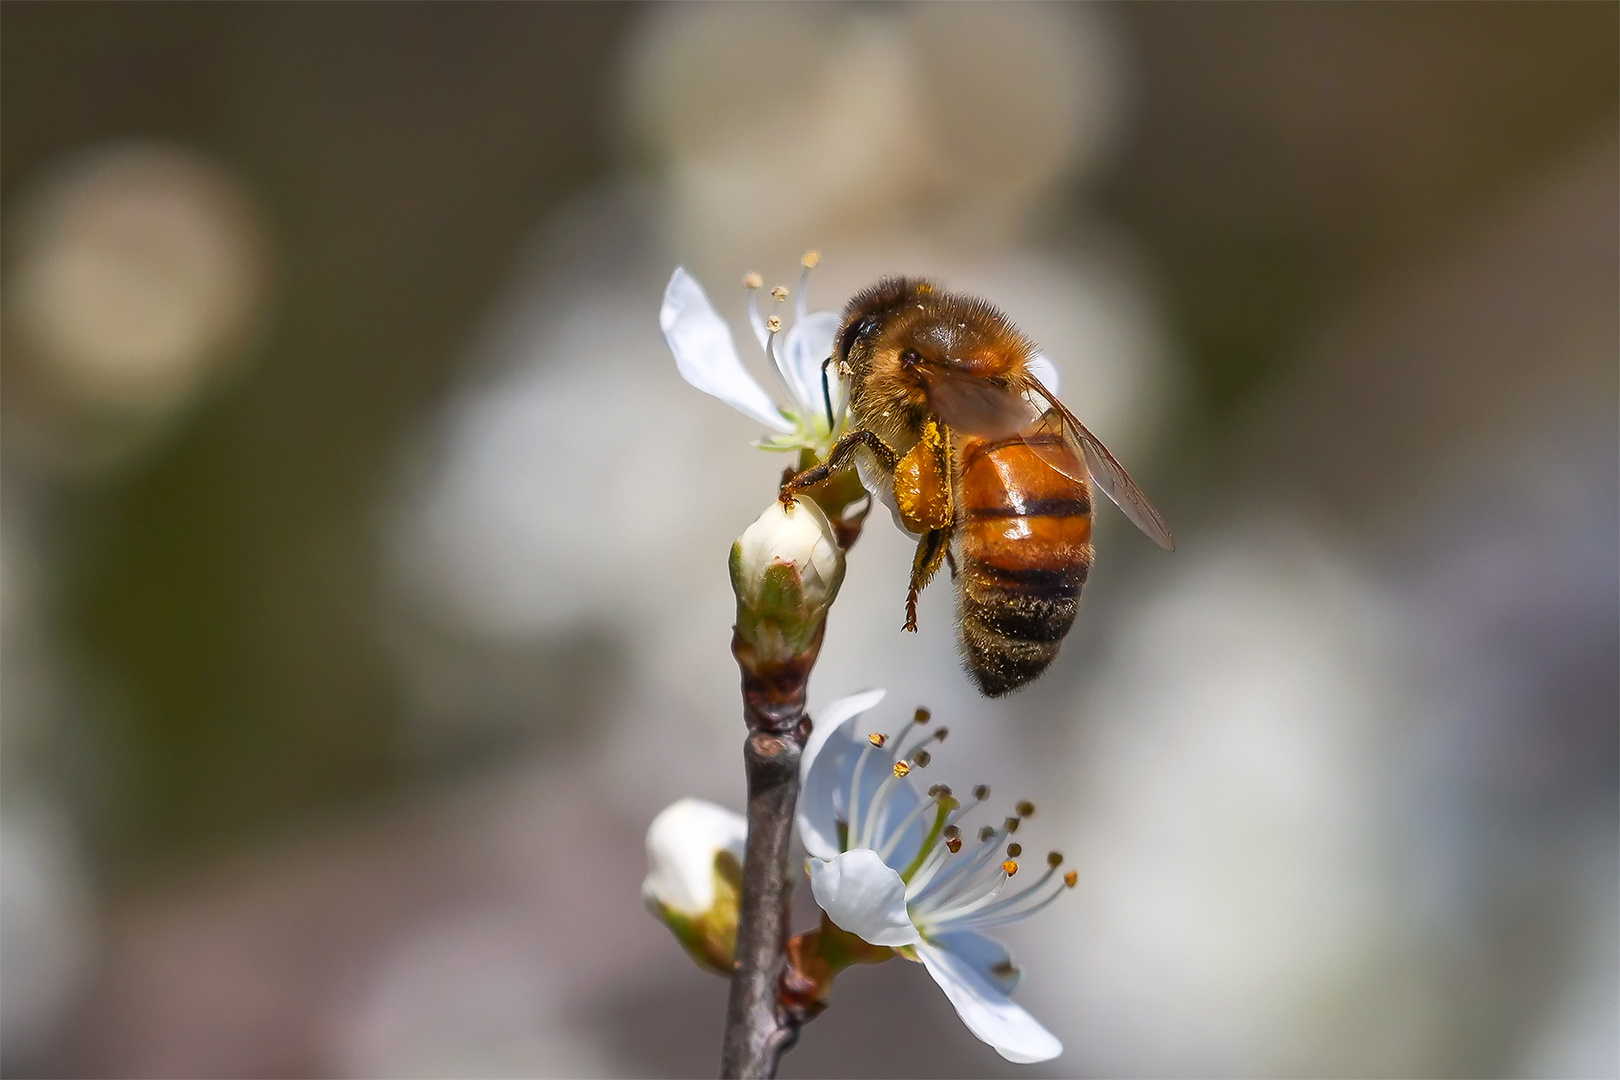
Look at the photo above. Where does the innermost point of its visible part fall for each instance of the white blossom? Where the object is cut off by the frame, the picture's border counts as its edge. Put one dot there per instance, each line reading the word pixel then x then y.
pixel 694 859
pixel 892 867
pixel 706 355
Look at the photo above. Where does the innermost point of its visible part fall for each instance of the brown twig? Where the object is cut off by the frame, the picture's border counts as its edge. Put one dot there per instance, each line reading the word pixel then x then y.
pixel 758 1029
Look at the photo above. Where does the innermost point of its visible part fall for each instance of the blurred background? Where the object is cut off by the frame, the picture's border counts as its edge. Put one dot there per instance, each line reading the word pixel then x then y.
pixel 362 562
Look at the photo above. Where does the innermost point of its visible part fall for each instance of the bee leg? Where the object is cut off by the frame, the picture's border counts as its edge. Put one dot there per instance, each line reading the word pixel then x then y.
pixel 836 459
pixel 950 561
pixel 932 550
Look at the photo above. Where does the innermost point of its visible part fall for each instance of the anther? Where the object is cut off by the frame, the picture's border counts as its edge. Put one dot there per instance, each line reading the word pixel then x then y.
pixel 986 832
pixel 1071 877
pixel 752 280
pixel 934 792
pixel 941 733
pixel 982 792
pixel 921 758
pixel 1010 866
pixel 877 738
pixel 1006 969
pixel 922 715
pixel 1012 824
pixel 811 260
pixel 945 790
pixel 901 768
pixel 1025 809
pixel 774 324
pixel 954 843
pixel 1014 850
pixel 779 293
pixel 1054 859
pixel 953 832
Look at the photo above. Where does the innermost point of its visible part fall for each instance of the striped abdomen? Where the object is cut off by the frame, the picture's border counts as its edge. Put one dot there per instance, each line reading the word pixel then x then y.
pixel 1024 546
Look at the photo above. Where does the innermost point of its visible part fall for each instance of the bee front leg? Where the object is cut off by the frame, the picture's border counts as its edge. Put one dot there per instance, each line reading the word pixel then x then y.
pixel 836 459
pixel 931 551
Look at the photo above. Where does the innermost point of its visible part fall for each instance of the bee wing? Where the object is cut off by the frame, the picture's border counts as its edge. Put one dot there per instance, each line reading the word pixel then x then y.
pixel 1105 469
pixel 975 406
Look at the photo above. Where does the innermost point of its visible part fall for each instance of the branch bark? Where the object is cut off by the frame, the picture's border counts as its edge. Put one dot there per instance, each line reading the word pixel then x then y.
pixel 758 1028
pixel 756 1031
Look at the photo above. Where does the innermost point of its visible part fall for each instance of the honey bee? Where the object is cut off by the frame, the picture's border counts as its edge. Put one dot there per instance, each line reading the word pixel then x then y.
pixel 986 466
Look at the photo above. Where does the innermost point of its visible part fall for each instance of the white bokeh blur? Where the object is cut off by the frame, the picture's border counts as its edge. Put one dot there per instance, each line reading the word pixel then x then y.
pixel 135 274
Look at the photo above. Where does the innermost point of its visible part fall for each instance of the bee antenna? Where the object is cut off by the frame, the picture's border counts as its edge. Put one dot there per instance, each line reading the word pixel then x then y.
pixel 826 393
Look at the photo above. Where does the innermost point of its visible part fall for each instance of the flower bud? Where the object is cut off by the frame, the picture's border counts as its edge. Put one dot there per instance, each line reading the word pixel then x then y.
pixel 694 878
pixel 786 570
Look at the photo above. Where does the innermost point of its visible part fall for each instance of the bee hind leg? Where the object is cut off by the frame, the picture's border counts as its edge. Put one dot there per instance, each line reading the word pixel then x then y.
pixel 932 550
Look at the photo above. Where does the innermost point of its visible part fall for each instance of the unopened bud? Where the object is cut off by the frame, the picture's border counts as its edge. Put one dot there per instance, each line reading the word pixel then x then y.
pixel 786 570
pixel 694 878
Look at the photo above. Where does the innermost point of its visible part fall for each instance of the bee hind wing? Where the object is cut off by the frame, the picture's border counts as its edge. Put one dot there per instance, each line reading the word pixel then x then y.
pixel 1107 473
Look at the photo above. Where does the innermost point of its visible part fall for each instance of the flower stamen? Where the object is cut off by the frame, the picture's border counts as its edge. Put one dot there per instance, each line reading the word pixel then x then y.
pixel 752 283
pixel 1013 908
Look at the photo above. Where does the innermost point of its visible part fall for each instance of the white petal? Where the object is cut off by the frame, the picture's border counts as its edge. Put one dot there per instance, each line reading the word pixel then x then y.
pixel 809 342
pixel 1043 369
pixel 682 842
pixel 705 353
pixel 985 955
pixel 988 1013
pixel 863 896
pixel 834 745
pixel 832 717
pixel 828 772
